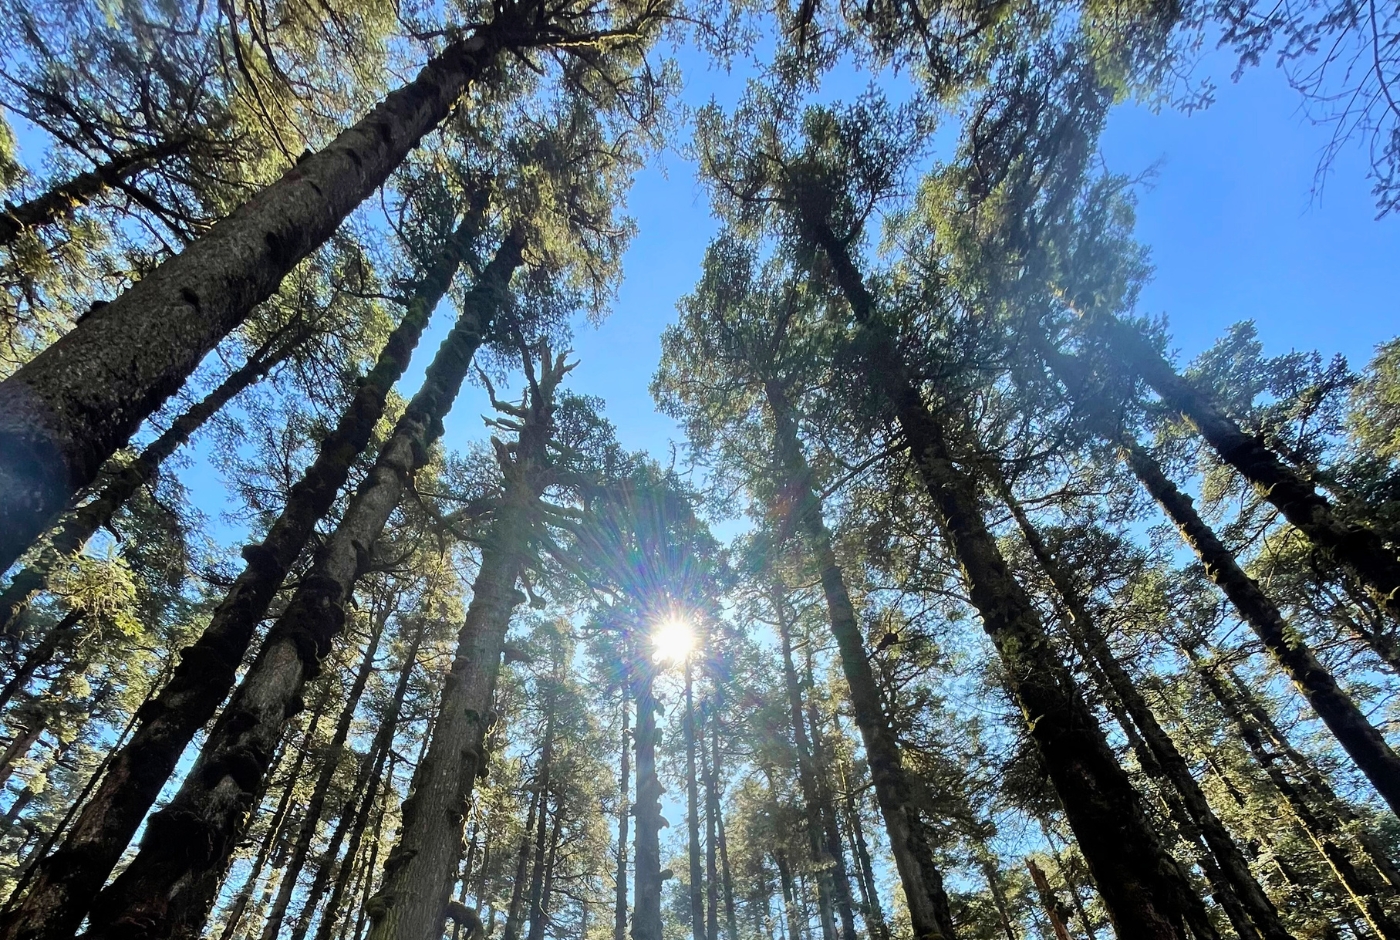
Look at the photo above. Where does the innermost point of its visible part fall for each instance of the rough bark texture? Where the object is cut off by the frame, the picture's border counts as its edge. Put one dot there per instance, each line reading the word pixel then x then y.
pixel 1144 890
pixel 170 884
pixel 68 410
pixel 1365 891
pixel 80 525
pixel 64 199
pixel 69 880
pixel 923 884
pixel 366 787
pixel 1243 886
pixel 420 871
pixel 1361 739
pixel 1358 547
pixel 316 800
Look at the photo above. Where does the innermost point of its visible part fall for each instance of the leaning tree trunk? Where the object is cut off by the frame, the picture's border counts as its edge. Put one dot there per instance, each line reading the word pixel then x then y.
pixel 67 881
pixel 1365 891
pixel 60 636
pixel 63 414
pixel 806 773
pixel 419 873
pixel 170 884
pixel 366 786
pixel 692 801
pixel 623 812
pixel 1144 889
pixel 80 525
pixel 874 914
pixel 316 801
pixel 1358 547
pixel 923 884
pixel 60 201
pixel 1361 739
pixel 1243 886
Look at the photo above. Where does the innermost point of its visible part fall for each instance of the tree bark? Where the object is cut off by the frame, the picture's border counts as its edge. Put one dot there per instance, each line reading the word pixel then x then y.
pixel 730 917
pixel 1054 909
pixel 63 199
pixel 875 923
pixel 169 885
pixel 522 864
pixel 541 853
pixel 709 771
pixel 68 881
pixel 646 905
pixel 1361 739
pixel 1366 892
pixel 80 525
pixel 834 847
pixel 692 816
pixel 366 785
pixel 1143 888
pixel 623 787
pixel 330 762
pixel 1166 760
pixel 420 871
pixel 64 413
pixel 1356 546
pixel 806 771
pixel 923 884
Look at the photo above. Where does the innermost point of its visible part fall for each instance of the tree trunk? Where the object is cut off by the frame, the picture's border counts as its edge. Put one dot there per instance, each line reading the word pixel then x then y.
pixel 1315 786
pixel 169 885
pixel 56 638
pixel 923 884
pixel 1361 739
pixel 522 864
pixel 64 413
pixel 66 883
pixel 82 523
pixel 709 771
pixel 1145 891
pixel 537 873
pixel 806 772
pixel 1165 760
pixel 623 787
pixel 730 917
pixel 420 871
pixel 371 864
pixel 539 919
pixel 874 915
pixel 692 816
pixel 834 848
pixel 646 907
pixel 1366 893
pixel 1356 546
pixel 20 746
pixel 270 838
pixel 64 198
pixel 330 762
pixel 366 785
pixel 1053 907
pixel 987 862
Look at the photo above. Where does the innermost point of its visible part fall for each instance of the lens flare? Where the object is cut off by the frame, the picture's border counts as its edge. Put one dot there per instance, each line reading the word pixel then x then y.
pixel 672 641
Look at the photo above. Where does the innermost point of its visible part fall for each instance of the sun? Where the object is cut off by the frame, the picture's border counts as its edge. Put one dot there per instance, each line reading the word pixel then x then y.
pixel 672 641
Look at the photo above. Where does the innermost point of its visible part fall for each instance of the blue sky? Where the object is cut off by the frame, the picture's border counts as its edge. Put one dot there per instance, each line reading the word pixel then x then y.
pixel 1235 228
